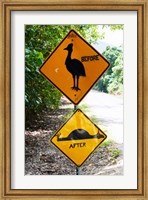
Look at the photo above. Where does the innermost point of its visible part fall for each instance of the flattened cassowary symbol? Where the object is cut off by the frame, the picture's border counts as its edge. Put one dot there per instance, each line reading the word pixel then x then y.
pixel 75 67
pixel 79 134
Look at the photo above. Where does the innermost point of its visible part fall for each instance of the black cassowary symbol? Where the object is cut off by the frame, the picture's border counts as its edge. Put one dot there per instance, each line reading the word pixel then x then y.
pixel 79 134
pixel 75 67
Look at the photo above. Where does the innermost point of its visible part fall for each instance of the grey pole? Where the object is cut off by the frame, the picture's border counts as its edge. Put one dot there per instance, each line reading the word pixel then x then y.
pixel 75 107
pixel 77 171
pixel 77 168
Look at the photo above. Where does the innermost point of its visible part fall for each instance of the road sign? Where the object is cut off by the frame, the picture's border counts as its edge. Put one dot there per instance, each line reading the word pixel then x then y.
pixel 74 67
pixel 78 138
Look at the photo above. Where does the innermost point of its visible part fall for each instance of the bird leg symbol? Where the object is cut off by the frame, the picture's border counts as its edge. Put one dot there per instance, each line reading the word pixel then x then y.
pixel 76 83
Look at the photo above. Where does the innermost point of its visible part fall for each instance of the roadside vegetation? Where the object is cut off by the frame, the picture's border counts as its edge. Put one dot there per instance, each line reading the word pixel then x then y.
pixel 112 81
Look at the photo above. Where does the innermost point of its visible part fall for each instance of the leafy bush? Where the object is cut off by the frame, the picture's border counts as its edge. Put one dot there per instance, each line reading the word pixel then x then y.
pixel 112 80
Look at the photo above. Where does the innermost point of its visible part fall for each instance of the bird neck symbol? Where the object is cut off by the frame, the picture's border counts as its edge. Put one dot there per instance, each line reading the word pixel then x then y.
pixel 75 67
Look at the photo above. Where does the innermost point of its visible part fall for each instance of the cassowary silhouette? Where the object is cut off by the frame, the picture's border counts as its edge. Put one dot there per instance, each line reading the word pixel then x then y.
pixel 79 134
pixel 75 67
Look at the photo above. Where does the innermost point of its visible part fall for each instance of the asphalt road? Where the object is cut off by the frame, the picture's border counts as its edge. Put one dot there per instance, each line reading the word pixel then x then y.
pixel 108 110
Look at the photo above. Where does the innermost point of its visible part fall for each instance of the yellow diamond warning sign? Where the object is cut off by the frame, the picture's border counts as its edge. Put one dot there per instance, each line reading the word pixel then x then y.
pixel 78 138
pixel 74 67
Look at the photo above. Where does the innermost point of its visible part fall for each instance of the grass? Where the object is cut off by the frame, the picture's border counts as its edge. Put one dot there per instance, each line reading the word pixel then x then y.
pixel 94 119
pixel 115 153
pixel 106 143
pixel 84 108
pixel 68 114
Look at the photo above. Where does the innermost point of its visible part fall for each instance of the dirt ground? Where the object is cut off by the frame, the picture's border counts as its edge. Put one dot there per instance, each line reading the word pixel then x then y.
pixel 42 158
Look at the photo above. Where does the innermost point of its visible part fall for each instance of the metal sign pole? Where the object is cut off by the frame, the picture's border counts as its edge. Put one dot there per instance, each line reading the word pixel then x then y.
pixel 77 168
pixel 77 171
pixel 75 107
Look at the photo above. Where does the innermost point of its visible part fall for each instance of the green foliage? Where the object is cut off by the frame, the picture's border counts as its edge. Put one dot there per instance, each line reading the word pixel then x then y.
pixel 106 143
pixel 40 41
pixel 115 153
pixel 112 80
pixel 113 27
